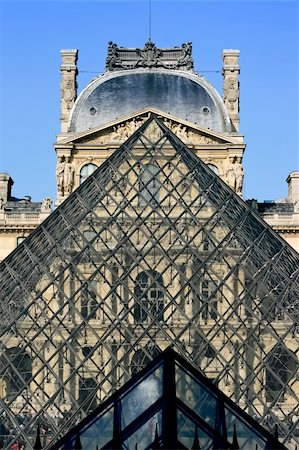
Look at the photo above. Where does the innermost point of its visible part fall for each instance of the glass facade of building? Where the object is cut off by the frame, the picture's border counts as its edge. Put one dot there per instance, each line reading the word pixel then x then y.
pixel 152 250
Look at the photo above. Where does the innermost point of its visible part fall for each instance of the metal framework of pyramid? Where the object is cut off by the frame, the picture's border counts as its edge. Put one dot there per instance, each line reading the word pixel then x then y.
pixel 152 250
pixel 169 405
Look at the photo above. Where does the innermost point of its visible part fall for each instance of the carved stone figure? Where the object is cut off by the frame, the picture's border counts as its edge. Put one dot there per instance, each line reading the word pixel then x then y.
pixel 68 177
pixel 112 56
pixel 68 93
pixel 239 172
pixel 235 175
pixel 122 131
pixel 186 59
pixel 231 93
pixel 205 140
pixel 46 204
pixel 167 123
pixel 60 175
pixel 180 131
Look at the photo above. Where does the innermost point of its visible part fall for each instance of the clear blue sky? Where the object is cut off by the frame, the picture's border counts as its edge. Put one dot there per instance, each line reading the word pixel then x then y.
pixel 32 34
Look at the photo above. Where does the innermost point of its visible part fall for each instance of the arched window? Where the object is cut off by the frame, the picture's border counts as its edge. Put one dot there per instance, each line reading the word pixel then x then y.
pixel 87 394
pixel 214 168
pixel 149 185
pixel 89 304
pixel 86 171
pixel 149 294
pixel 208 308
pixel 18 372
pixel 281 367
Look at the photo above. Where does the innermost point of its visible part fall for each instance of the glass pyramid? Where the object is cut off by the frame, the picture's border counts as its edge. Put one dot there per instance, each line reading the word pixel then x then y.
pixel 152 250
pixel 171 404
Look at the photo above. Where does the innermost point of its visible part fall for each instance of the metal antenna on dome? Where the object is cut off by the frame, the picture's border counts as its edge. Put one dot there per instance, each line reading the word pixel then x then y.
pixel 149 20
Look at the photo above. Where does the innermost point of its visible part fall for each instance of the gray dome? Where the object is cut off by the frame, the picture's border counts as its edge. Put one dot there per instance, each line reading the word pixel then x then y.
pixel 115 95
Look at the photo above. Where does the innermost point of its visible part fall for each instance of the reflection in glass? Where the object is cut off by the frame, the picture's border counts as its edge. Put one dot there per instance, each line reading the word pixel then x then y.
pixel 141 397
pixel 186 432
pixel 99 432
pixel 145 435
pixel 196 396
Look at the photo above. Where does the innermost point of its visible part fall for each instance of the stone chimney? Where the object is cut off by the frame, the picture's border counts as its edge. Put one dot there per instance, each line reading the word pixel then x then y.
pixel 6 183
pixel 293 187
pixel 68 85
pixel 231 85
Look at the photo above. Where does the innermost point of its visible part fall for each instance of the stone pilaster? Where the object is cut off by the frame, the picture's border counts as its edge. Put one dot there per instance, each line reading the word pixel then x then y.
pixel 68 85
pixel 231 85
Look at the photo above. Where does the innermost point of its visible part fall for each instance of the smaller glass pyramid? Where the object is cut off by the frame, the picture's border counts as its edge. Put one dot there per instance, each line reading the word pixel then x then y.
pixel 168 405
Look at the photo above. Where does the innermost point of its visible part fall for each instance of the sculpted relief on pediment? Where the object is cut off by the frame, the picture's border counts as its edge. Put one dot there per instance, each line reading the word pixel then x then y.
pixel 117 133
pixel 120 132
pixel 190 135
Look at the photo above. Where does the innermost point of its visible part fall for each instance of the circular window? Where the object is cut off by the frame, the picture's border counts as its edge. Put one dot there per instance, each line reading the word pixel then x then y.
pixel 92 111
pixel 205 110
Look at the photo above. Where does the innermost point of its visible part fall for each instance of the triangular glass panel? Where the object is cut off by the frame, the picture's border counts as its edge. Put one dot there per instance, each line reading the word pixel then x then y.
pixel 152 250
pixel 150 412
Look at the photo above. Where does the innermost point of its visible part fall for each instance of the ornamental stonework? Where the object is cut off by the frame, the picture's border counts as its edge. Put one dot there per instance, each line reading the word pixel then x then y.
pixel 190 135
pixel 119 58
pixel 120 132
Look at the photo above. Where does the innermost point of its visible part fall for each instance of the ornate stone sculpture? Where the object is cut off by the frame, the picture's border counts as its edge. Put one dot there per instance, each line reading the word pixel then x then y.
pixel 231 93
pixel 186 59
pixel 149 55
pixel 235 175
pixel 112 56
pixel 46 205
pixel 187 135
pixel 231 85
pixel 68 177
pixel 124 130
pixel 68 93
pixel 60 175
pixel 68 85
pixel 239 171
pixel 64 176
pixel 119 58
pixel 180 130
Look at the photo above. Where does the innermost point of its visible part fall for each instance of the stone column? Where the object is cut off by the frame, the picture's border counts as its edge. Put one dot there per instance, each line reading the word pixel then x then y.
pixel 68 85
pixel 231 92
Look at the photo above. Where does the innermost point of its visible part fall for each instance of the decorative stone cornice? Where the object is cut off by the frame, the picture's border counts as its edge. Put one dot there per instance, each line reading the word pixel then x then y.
pixel 120 58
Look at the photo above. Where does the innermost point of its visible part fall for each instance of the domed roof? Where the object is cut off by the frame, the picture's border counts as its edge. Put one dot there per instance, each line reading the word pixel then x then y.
pixel 137 79
pixel 183 95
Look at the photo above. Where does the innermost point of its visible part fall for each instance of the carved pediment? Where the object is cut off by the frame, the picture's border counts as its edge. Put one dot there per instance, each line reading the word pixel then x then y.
pixel 117 133
pixel 190 135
